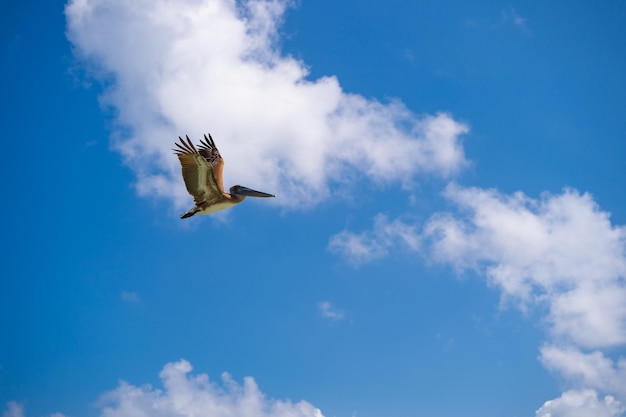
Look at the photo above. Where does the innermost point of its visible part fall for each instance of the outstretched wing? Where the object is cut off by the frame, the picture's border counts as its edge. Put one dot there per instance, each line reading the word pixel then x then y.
pixel 209 151
pixel 197 172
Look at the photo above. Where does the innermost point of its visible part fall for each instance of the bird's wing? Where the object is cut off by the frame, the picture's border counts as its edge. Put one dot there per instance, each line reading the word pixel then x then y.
pixel 197 173
pixel 209 151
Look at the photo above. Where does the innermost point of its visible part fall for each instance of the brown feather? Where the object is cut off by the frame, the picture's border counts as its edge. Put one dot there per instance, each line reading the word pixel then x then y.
pixel 210 152
pixel 198 174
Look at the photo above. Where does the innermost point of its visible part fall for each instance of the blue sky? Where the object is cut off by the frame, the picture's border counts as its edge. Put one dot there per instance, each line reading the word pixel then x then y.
pixel 447 239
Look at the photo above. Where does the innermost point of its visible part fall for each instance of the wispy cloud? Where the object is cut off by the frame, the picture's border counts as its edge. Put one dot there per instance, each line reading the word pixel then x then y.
pixel 14 409
pixel 558 254
pixel 131 297
pixel 329 311
pixel 188 67
pixel 509 18
pixel 367 246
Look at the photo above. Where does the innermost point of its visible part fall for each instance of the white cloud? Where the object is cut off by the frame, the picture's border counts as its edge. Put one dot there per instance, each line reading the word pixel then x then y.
pixel 558 254
pixel 581 403
pixel 188 67
pixel 329 311
pixel 593 369
pixel 561 251
pixel 359 248
pixel 185 395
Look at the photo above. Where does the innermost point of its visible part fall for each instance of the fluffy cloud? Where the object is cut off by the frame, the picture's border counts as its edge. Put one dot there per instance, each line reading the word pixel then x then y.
pixel 560 250
pixel 593 369
pixel 188 67
pixel 185 395
pixel 559 253
pixel 581 403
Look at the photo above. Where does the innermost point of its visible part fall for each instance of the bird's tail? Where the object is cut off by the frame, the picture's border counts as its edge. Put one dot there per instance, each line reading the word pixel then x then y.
pixel 189 213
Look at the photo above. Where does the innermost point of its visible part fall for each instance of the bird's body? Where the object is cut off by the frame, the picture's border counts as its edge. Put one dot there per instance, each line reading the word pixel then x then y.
pixel 202 172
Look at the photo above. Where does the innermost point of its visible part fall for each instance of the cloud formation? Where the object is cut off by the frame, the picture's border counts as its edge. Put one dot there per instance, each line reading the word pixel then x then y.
pixel 188 67
pixel 560 250
pixel 185 395
pixel 581 403
pixel 589 369
pixel 559 253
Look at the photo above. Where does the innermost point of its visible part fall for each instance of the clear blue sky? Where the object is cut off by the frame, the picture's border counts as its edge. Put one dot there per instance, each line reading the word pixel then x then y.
pixel 448 237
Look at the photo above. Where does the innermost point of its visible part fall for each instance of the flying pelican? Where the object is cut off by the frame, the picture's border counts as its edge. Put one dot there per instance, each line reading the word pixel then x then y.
pixel 202 172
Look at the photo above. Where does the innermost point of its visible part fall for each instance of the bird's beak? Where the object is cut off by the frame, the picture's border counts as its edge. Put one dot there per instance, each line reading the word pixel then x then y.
pixel 252 193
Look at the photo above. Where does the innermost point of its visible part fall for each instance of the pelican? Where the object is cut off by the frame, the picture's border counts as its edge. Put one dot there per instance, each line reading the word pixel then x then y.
pixel 202 172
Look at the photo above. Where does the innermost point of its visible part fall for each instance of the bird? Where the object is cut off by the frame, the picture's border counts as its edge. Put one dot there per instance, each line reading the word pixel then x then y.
pixel 202 172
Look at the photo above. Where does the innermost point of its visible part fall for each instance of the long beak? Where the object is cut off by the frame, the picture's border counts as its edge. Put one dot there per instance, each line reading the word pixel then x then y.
pixel 252 193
